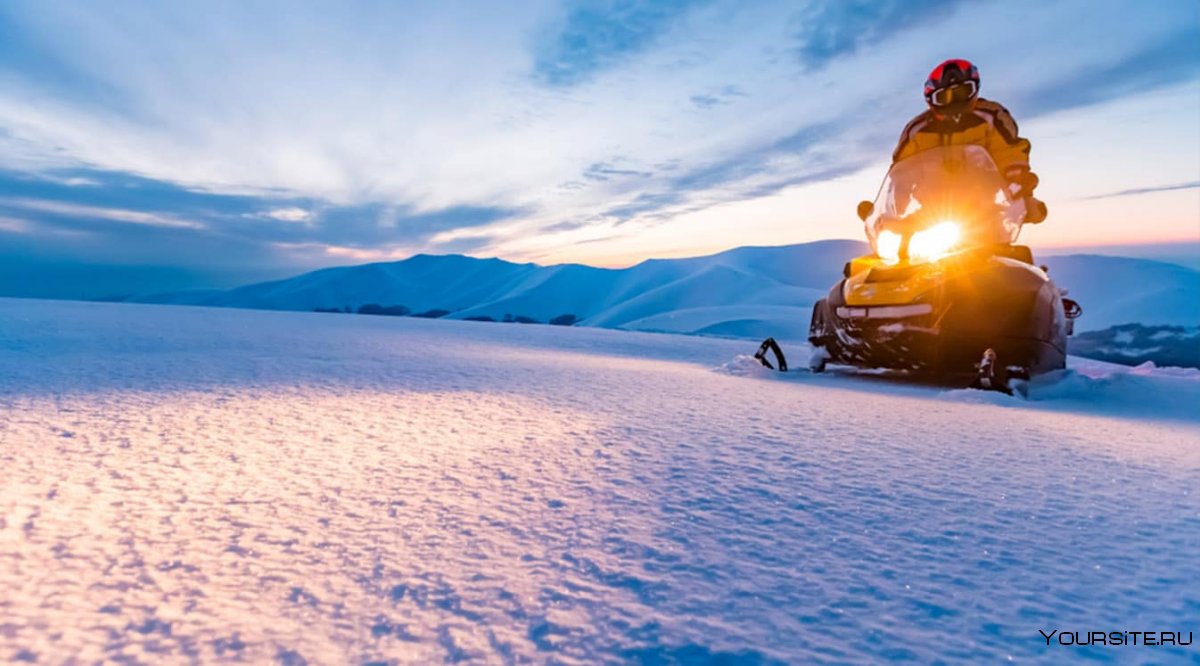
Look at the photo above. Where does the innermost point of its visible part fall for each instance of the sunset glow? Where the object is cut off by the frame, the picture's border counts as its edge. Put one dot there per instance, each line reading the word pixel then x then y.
pixel 245 141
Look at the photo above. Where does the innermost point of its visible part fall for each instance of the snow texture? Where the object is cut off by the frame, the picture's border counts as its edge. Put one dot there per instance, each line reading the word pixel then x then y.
pixel 745 292
pixel 188 484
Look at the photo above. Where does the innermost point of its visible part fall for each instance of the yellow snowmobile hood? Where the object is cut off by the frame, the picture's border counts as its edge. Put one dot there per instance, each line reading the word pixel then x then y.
pixel 872 282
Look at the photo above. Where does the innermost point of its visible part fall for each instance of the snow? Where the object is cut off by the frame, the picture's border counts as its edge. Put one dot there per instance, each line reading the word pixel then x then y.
pixel 1121 290
pixel 744 321
pixel 728 291
pixel 186 483
pixel 1123 337
pixel 1131 352
pixel 1172 335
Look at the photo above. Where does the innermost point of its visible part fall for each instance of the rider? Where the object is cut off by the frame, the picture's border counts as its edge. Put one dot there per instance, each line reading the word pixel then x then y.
pixel 958 115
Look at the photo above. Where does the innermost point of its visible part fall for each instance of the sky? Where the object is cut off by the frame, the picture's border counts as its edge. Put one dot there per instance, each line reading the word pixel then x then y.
pixel 155 146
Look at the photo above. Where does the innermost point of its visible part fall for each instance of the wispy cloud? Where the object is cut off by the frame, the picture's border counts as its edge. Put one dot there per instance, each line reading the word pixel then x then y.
pixel 75 211
pixel 603 171
pixel 14 226
pixel 830 29
pixel 708 100
pixel 291 214
pixel 595 35
pixel 1147 190
pixel 1171 58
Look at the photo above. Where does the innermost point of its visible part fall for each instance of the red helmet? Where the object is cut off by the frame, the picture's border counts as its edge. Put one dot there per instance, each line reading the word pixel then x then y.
pixel 954 83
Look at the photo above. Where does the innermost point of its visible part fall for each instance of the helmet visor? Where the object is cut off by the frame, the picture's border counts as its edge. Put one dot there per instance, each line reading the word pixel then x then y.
pixel 958 93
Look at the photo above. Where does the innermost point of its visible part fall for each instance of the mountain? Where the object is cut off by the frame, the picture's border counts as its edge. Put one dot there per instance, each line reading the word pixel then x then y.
pixel 1135 344
pixel 747 291
pixel 1122 290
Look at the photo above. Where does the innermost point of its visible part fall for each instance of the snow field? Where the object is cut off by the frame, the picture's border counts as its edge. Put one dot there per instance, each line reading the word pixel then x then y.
pixel 185 483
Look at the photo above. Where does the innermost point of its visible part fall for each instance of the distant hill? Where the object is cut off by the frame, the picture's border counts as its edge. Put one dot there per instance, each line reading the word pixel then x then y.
pixel 747 291
pixel 1135 344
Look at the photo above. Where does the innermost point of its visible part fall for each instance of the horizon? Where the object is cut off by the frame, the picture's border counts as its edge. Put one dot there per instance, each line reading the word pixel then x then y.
pixel 1185 254
pixel 207 146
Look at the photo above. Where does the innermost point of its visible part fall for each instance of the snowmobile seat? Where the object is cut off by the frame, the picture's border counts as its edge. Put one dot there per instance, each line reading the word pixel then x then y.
pixel 1021 253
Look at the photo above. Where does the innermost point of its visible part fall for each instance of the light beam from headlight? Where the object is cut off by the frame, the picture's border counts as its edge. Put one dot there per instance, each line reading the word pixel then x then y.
pixel 934 242
pixel 887 246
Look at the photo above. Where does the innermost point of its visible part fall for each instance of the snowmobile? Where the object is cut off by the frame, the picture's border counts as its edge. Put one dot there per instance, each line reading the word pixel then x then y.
pixel 947 292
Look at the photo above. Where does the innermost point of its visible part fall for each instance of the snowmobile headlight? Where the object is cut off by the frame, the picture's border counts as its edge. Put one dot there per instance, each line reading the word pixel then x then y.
pixel 887 246
pixel 934 242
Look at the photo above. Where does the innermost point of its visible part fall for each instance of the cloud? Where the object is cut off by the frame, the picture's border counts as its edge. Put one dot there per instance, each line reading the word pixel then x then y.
pixel 1147 190
pixel 830 29
pixel 599 34
pixel 603 171
pixel 716 98
pixel 792 159
pixel 291 214
pixel 1163 62
pixel 28 44
pixel 118 189
pixel 645 202
pixel 381 225
pixel 78 212
pixel 464 244
pixel 14 226
pixel 315 102
pixel 161 222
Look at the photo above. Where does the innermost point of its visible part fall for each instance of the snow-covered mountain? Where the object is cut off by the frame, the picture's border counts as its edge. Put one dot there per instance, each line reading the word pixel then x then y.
pixel 1121 290
pixel 749 291
pixel 1135 344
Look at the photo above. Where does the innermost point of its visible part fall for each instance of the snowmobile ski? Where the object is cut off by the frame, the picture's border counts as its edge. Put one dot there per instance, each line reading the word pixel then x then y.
pixel 769 345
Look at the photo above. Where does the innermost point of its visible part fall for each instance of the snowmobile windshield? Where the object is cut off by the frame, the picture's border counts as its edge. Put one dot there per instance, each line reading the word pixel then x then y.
pixel 941 201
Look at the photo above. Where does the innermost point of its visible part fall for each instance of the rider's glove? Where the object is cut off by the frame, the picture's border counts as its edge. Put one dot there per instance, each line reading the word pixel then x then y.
pixel 1021 181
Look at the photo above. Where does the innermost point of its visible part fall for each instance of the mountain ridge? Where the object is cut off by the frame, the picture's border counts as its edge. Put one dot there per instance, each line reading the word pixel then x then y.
pixel 751 290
